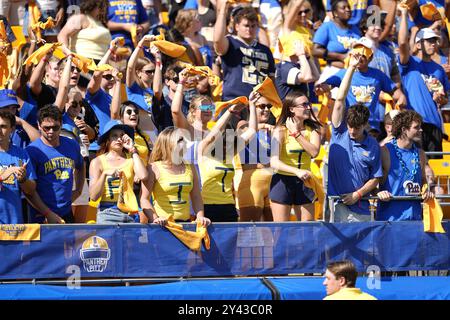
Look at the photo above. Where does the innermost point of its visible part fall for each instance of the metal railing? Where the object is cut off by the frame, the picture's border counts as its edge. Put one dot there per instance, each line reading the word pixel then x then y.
pixel 332 202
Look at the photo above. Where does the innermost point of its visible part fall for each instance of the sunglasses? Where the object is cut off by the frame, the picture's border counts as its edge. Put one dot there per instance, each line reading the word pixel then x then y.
pixel 75 68
pixel 432 40
pixel 108 77
pixel 48 128
pixel 264 106
pixel 76 104
pixel 175 79
pixel 207 107
pixel 304 11
pixel 181 139
pixel 131 111
pixel 149 71
pixel 305 105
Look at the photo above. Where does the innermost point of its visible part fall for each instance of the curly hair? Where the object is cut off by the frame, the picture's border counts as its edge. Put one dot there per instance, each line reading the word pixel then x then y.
pixel 404 120
pixel 357 116
pixel 87 6
pixel 184 19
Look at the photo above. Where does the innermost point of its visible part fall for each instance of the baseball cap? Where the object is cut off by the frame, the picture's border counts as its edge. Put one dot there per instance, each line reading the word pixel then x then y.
pixel 8 98
pixel 425 33
pixel 364 46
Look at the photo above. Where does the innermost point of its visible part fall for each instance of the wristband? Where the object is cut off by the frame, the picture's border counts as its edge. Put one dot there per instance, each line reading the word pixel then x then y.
pixel 359 194
pixel 112 50
pixel 295 134
pixel 46 213
pixel 44 59
pixel 234 111
pixel 140 47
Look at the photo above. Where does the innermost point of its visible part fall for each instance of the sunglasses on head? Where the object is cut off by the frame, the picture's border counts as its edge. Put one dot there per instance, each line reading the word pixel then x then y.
pixel 131 111
pixel 108 77
pixel 48 128
pixel 264 106
pixel 207 107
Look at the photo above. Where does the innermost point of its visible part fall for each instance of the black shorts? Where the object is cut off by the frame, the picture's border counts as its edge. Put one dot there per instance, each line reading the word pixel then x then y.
pixel 221 212
pixel 289 190
pixel 431 139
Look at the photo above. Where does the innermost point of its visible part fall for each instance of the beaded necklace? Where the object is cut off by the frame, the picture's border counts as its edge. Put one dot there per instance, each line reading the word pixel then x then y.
pixel 410 174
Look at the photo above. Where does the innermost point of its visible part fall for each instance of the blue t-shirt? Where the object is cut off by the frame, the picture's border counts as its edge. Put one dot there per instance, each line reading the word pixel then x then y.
pixel 365 88
pixel 10 194
pixel 191 4
pixel 358 7
pixel 142 97
pixel 351 164
pixel 245 66
pixel 336 39
pixel 126 11
pixel 402 182
pixel 384 60
pixel 54 169
pixel 286 74
pixel 420 79
pixel 207 55
pixel 101 104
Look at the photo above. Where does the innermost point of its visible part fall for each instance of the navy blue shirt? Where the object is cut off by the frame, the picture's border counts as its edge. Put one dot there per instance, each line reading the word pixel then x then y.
pixel 245 66
pixel 286 74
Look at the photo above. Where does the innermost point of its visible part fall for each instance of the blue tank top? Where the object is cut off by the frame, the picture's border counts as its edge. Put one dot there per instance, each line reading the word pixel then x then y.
pixel 401 182
pixel 257 150
pixel 207 55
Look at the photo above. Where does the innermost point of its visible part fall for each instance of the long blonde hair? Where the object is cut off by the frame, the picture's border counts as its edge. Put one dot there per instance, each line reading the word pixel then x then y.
pixel 165 146
pixel 195 102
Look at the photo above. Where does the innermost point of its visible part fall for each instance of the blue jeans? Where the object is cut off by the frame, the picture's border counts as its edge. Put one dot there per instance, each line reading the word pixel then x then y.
pixel 113 215
pixel 343 214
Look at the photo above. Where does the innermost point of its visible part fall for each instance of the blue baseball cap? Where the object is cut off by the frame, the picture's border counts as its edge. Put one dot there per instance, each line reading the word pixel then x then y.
pixel 8 98
pixel 115 124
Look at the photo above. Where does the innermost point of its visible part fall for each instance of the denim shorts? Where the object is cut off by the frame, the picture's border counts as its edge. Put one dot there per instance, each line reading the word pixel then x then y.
pixel 113 215
pixel 289 190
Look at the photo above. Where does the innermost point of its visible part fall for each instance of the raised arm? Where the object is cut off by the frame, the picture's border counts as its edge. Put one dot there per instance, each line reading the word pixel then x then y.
pixel 73 25
pixel 252 128
pixel 305 75
pixel 96 80
pixel 403 34
pixel 131 68
pixel 38 74
pixel 140 170
pixel 179 119
pixel 64 85
pixel 221 43
pixel 290 21
pixel 31 131
pixel 158 77
pixel 339 106
pixel 116 96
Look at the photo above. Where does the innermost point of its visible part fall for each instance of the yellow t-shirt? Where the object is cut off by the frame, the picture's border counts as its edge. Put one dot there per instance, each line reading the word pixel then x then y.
pixel 217 181
pixel 293 154
pixel 110 193
pixel 171 193
pixel 350 294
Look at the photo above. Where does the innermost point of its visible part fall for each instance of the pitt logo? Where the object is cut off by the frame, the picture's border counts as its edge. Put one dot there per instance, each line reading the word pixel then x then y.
pixel 363 94
pixel 13 230
pixel 95 254
pixel 61 175
pixel 411 188
pixel 346 42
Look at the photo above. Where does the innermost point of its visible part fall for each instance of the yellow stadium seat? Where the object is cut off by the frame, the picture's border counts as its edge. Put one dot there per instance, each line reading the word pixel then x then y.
pixel 165 17
pixel 441 167
pixel 447 128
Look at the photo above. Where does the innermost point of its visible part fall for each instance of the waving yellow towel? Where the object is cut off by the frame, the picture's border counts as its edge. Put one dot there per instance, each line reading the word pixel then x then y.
pixel 225 104
pixel 432 214
pixel 267 90
pixel 193 240
pixel 48 24
pixel 34 17
pixel 40 53
pixel 314 184
pixel 127 199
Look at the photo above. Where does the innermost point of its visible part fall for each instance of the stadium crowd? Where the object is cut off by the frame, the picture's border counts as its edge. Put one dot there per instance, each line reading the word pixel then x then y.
pixel 220 110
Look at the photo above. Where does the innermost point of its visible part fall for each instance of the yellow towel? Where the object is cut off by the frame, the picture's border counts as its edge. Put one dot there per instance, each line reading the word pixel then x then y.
pixel 83 63
pixel 203 71
pixel 432 214
pixel 134 35
pixel 267 90
pixel 49 24
pixel 430 12
pixel 20 232
pixel 127 201
pixel 286 43
pixel 239 1
pixel 3 35
pixel 324 109
pixel 172 50
pixel 40 53
pixel 314 184
pixel 217 92
pixel 222 105
pixel 193 240
pixel 4 71
pixel 34 17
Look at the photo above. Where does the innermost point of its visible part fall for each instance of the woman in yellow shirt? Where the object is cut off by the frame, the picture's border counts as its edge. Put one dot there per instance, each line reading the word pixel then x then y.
pixel 215 160
pixel 172 184
pixel 296 140
pixel 106 172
